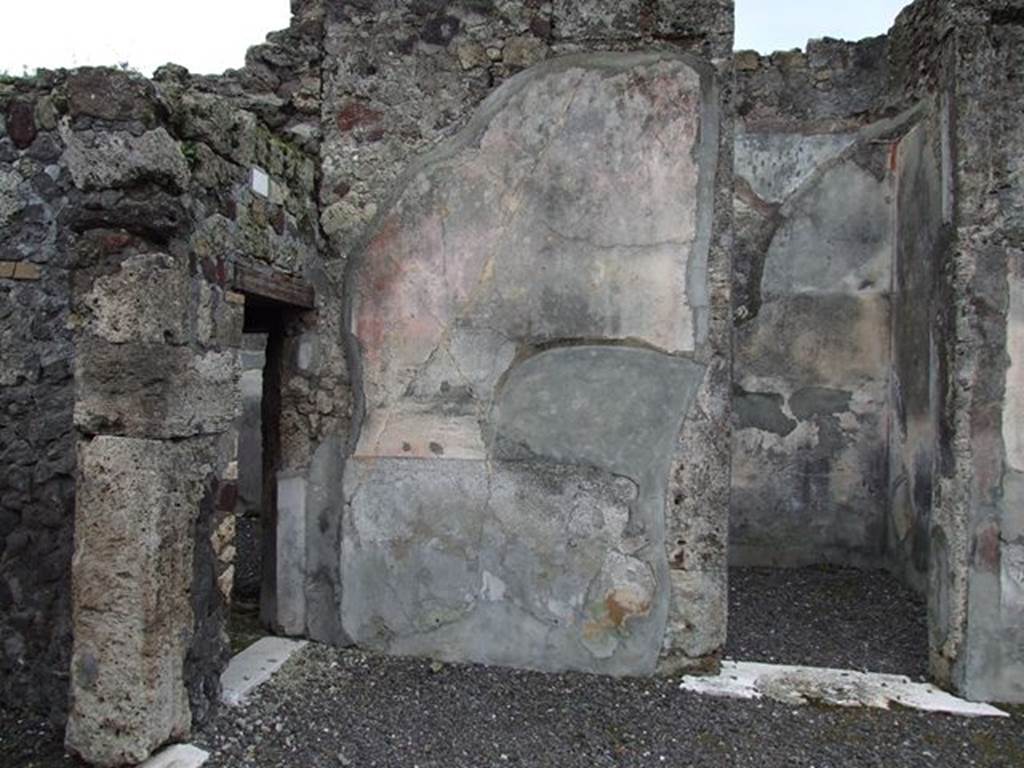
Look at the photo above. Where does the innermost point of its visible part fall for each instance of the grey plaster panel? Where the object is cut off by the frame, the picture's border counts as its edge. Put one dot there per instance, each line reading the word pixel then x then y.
pixel 917 339
pixel 516 563
pixel 1013 409
pixel 617 408
pixel 323 534
pixel 291 553
pixel 836 237
pixel 551 556
pixel 838 341
pixel 410 541
pixel 809 452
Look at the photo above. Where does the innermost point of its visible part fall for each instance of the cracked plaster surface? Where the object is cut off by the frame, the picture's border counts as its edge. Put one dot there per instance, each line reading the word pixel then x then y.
pixel 524 314
pixel 571 201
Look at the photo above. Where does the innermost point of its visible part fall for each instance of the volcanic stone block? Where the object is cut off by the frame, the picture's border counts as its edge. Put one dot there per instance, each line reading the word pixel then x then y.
pixel 136 507
pixel 10 202
pixel 119 160
pixel 146 300
pixel 21 124
pixel 154 390
pixel 111 95
pixel 616 19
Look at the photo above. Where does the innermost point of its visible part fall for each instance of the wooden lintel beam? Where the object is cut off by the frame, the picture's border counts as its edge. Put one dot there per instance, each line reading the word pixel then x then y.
pixel 276 287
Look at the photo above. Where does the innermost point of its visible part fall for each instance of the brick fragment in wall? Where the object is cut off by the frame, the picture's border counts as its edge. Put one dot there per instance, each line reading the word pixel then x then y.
pixel 26 270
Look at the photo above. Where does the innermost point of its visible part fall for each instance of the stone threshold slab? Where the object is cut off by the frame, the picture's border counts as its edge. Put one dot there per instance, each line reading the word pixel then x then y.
pixel 254 666
pixel 177 756
pixel 836 687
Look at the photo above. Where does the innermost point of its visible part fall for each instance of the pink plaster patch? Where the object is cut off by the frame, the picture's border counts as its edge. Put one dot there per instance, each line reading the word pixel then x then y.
pixel 571 215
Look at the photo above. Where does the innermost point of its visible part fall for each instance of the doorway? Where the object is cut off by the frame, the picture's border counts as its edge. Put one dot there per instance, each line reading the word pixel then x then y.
pixel 276 308
pixel 244 625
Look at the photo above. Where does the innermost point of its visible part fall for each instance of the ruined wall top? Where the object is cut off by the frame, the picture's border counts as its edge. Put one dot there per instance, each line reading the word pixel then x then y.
pixel 704 24
pixel 828 88
pixel 835 85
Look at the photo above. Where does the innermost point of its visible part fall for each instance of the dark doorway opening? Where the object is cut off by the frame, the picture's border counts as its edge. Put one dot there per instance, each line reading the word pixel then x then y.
pixel 259 459
pixel 275 307
pixel 245 627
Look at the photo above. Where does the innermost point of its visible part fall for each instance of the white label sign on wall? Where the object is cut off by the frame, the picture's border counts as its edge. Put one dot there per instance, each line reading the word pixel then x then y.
pixel 259 181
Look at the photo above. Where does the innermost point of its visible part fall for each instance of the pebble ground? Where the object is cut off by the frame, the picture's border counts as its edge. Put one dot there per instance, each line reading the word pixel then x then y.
pixel 827 617
pixel 329 708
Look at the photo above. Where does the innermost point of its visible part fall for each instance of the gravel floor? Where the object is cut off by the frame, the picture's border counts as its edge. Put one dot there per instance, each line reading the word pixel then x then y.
pixel 244 627
pixel 827 617
pixel 248 557
pixel 330 708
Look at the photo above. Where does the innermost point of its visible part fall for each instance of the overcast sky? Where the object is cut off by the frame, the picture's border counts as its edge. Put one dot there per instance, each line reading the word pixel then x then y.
pixel 778 25
pixel 209 36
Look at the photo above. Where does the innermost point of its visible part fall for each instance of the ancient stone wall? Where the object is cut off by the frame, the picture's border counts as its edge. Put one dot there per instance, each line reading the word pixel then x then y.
pixel 831 87
pixel 37 445
pixel 953 338
pixel 814 229
pixel 919 337
pixel 1005 640
pixel 174 398
pixel 269 115
pixel 919 76
pixel 128 208
pixel 155 374
pixel 403 77
pixel 424 166
pixel 980 575
pixel 943 103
